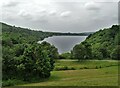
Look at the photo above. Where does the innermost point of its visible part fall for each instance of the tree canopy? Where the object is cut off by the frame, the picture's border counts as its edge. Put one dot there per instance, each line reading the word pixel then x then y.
pixel 23 58
pixel 102 44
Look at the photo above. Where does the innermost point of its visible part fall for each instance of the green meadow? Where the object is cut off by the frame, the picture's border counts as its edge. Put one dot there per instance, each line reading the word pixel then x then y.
pixel 85 73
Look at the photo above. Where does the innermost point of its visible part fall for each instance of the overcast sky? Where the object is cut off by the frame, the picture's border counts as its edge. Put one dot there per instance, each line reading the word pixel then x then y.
pixel 60 15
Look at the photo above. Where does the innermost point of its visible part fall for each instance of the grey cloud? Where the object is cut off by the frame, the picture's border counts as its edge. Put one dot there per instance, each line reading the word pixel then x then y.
pixel 24 14
pixel 115 17
pixel 10 4
pixel 62 16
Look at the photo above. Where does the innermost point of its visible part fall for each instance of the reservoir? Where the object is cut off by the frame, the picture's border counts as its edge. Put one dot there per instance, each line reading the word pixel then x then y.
pixel 64 43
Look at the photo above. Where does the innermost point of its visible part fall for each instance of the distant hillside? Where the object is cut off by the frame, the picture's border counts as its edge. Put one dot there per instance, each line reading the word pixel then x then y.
pixel 18 33
pixel 104 43
pixel 40 35
pixel 107 38
pixel 72 34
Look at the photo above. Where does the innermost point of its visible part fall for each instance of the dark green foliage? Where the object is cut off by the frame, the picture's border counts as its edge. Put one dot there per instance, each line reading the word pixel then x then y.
pixel 19 49
pixel 65 56
pixel 11 82
pixel 30 61
pixel 52 51
pixel 115 54
pixel 82 51
pixel 103 45
pixel 78 52
pixel 17 35
pixel 36 62
pixel 117 39
pixel 23 58
pixel 64 68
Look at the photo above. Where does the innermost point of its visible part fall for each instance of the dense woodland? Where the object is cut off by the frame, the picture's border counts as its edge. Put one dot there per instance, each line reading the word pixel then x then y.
pixel 24 59
pixel 104 44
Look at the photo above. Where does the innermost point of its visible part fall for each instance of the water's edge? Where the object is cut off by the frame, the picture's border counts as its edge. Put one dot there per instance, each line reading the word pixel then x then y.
pixel 64 43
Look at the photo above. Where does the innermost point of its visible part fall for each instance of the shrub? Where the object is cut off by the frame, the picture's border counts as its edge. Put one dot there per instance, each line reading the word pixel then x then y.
pixel 11 82
pixel 35 62
pixel 85 68
pixel 64 68
pixel 96 67
pixel 65 56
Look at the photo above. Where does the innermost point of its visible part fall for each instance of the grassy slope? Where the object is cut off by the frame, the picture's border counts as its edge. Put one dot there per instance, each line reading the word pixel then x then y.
pixel 107 76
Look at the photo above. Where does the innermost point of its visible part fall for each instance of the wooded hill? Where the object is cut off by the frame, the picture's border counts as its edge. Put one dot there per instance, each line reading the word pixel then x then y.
pixel 20 34
pixel 103 44
pixel 32 35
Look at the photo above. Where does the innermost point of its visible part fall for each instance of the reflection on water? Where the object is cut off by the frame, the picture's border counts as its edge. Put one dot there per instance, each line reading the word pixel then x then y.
pixel 64 43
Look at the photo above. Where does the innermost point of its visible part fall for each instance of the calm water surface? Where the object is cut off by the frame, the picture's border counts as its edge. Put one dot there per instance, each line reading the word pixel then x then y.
pixel 64 43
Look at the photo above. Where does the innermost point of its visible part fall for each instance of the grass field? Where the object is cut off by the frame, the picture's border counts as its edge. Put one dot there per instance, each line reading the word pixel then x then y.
pixel 86 73
pixel 90 64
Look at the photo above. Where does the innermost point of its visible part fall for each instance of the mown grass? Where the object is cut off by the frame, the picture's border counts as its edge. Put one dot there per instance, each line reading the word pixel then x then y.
pixel 105 76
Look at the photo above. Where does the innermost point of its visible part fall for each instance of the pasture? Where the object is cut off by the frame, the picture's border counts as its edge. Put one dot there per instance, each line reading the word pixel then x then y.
pixel 85 73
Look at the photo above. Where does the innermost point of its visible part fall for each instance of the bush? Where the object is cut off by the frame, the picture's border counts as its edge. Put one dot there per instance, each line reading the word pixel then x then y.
pixel 65 56
pixel 11 82
pixel 96 67
pixel 82 51
pixel 64 68
pixel 8 83
pixel 35 61
pixel 86 68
